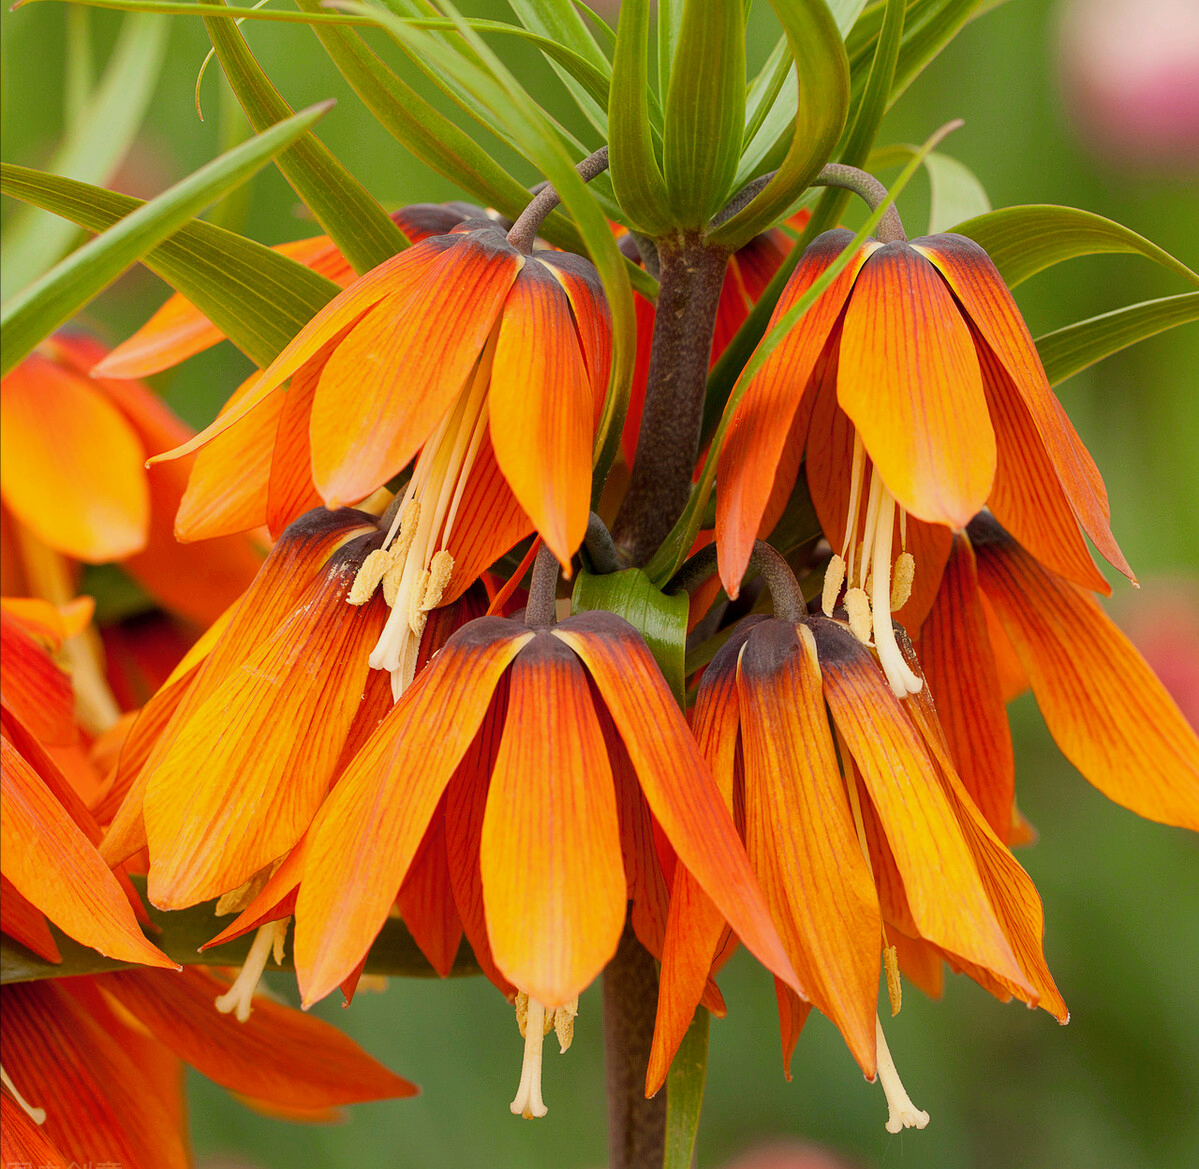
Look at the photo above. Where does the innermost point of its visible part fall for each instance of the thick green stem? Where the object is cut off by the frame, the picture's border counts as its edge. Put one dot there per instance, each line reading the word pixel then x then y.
pixel 691 277
pixel 636 1126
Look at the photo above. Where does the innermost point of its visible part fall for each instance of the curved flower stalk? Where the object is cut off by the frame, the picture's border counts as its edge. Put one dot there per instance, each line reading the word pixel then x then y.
pixel 857 832
pixel 540 753
pixel 915 391
pixel 489 362
pixel 74 480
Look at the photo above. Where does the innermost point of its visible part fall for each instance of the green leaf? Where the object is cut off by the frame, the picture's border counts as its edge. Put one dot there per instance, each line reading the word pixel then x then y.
pixel 35 313
pixel 1065 352
pixel 636 176
pixel 685 1093
pixel 184 931
pixel 362 230
pixel 705 110
pixel 957 194
pixel 823 100
pixel 257 297
pixel 1023 241
pixel 660 619
pixel 95 144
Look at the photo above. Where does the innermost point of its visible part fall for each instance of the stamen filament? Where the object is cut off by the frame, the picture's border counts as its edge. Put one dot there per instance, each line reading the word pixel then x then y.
pixel 238 1000
pixel 899 674
pixel 37 1115
pixel 528 1102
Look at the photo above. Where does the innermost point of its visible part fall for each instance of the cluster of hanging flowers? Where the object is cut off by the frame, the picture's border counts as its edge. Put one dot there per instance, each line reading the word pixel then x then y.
pixel 378 727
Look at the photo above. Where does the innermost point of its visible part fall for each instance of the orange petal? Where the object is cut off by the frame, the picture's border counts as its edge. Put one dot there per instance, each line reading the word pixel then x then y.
pixel 23 923
pixel 541 408
pixel 1103 705
pixel 327 328
pixel 674 777
pixel 291 491
pixel 279 1054
pixel 369 829
pixel 1027 498
pixel 33 687
pixel 910 383
pixel 957 657
pixel 758 433
pixel 398 371
pixel 592 319
pixel 247 770
pixel 426 899
pixel 71 1056
pixel 989 305
pixel 920 963
pixel 800 834
pixel 553 881
pixel 22 1142
pixel 70 464
pixel 793 1014
pixel 54 866
pixel 941 880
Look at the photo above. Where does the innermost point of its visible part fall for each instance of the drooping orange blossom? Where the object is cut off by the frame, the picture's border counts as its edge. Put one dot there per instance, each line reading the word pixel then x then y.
pixel 542 755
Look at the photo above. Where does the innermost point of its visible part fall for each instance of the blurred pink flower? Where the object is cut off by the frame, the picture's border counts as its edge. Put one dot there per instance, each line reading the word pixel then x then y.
pixel 1164 625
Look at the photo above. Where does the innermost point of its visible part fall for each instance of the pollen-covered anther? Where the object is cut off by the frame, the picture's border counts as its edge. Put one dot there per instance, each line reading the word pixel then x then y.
pixel 902 1112
pixel 564 1024
pixel 416 612
pixel 857 608
pixel 238 1000
pixel 894 985
pixel 370 575
pixel 37 1115
pixel 902 577
pixel 441 568
pixel 834 578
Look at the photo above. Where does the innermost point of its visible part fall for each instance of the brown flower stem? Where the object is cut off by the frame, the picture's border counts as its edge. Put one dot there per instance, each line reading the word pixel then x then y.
pixel 541 611
pixel 785 593
pixel 601 553
pixel 524 230
pixel 636 1126
pixel 870 190
pixel 691 277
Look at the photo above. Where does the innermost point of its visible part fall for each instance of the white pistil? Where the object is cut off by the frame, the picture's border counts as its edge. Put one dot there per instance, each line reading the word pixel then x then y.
pixel 535 1022
pixel 37 1115
pixel 903 681
pixel 902 1112
pixel 239 998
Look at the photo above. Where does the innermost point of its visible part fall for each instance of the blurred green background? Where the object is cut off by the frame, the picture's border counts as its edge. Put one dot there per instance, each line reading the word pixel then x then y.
pixel 1005 1087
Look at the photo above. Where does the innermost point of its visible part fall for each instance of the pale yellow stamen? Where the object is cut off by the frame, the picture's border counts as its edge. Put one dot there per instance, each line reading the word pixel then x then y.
pixel 238 1000
pixel 855 495
pixel 834 578
pixel 899 674
pixel 894 985
pixel 37 1115
pixel 904 574
pixel 440 572
pixel 902 1113
pixel 369 576
pixel 564 1025
pixel 857 607
pixel 535 1022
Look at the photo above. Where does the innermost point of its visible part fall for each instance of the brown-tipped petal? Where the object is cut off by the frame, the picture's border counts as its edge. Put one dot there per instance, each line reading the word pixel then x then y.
pixel 541 408
pixel 229 478
pixel 1104 706
pixel 399 370
pixel 910 383
pixel 426 899
pixel 278 1054
pixel 553 882
pixel 71 464
pixel 800 835
pixel 960 667
pixel 103 1085
pixel 675 779
pixel 245 773
pixel 326 329
pixel 759 430
pixel 55 867
pixel 291 491
pixel 976 282
pixel 22 922
pixel 33 686
pixel 948 902
pixel 1027 498
pixel 179 330
pixel 369 829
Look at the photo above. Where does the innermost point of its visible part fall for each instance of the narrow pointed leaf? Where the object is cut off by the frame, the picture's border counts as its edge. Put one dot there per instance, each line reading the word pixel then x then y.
pixel 364 233
pixel 30 317
pixel 1069 350
pixel 685 1093
pixel 1025 240
pixel 257 297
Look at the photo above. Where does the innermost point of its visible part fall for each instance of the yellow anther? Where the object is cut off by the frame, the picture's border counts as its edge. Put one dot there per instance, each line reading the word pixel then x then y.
pixel 416 612
pixel 440 570
pixel 857 606
pixel 564 1024
pixel 894 985
pixel 901 580
pixel 834 578
pixel 369 575
pixel 392 580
